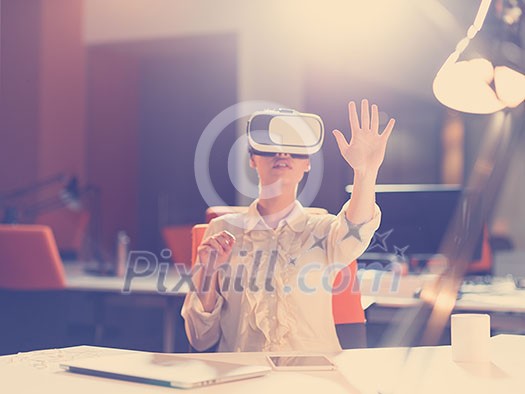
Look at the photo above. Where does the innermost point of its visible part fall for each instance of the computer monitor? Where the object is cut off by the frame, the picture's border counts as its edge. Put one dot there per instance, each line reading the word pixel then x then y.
pixel 415 219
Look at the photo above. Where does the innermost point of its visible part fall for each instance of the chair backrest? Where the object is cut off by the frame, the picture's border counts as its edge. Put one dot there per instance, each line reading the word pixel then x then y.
pixel 484 264
pixel 69 228
pixel 178 240
pixel 346 303
pixel 197 233
pixel 29 259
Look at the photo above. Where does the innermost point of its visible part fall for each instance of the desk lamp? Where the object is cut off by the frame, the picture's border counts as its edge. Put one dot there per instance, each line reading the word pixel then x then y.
pixel 474 86
pixel 480 85
pixel 68 196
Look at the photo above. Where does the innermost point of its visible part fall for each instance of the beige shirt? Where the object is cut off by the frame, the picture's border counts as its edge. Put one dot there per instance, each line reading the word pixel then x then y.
pixel 276 292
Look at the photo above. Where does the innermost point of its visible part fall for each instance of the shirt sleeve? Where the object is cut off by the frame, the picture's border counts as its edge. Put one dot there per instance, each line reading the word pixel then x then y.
pixel 346 240
pixel 202 327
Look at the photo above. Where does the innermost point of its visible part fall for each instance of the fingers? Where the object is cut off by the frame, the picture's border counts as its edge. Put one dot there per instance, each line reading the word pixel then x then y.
pixel 222 242
pixel 375 119
pixel 365 115
pixel 369 121
pixel 340 139
pixel 388 129
pixel 204 252
pixel 226 240
pixel 216 245
pixel 353 117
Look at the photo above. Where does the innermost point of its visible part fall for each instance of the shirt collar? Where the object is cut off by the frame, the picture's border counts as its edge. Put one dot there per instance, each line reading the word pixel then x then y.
pixel 296 219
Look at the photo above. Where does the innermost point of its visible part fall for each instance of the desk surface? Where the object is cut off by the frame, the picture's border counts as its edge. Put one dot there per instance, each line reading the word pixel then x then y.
pixel 387 370
pixel 381 288
pixel 391 291
pixel 153 283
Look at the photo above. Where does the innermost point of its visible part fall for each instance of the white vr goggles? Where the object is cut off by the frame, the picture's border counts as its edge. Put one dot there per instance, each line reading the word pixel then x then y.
pixel 284 131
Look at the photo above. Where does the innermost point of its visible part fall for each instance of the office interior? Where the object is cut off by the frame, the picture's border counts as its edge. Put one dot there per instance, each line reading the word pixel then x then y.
pixel 103 107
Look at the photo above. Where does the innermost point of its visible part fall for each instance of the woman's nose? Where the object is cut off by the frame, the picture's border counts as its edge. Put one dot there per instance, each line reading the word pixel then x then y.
pixel 282 154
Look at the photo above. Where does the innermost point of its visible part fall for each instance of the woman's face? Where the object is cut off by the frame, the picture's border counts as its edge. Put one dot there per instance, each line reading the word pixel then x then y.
pixel 281 169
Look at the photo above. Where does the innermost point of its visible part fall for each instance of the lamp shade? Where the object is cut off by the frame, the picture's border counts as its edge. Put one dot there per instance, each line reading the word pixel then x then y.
pixel 510 86
pixel 476 86
pixel 465 86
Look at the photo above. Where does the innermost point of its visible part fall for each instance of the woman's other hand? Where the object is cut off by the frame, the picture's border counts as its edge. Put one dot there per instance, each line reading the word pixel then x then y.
pixel 217 247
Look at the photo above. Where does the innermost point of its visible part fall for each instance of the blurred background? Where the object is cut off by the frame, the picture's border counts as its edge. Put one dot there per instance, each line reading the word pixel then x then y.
pixel 102 103
pixel 117 93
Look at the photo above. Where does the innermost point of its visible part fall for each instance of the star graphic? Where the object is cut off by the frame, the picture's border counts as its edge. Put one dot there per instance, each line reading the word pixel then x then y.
pixel 320 242
pixel 353 231
pixel 379 240
pixel 292 261
pixel 400 252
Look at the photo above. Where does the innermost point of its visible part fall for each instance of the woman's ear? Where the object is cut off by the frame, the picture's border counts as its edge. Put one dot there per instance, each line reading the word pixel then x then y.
pixel 252 162
pixel 308 167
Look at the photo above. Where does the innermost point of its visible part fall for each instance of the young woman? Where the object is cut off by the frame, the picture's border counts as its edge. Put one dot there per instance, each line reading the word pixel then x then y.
pixel 268 276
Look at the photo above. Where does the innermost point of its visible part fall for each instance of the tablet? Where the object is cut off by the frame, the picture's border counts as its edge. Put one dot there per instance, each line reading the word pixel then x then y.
pixel 301 363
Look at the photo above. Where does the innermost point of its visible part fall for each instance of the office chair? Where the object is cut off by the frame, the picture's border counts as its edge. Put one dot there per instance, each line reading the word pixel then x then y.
pixel 348 313
pixel 32 300
pixel 178 240
pixel 29 258
pixel 485 264
pixel 69 229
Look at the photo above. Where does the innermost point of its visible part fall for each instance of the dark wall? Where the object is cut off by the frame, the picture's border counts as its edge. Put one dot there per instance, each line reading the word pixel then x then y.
pixel 112 139
pixel 149 102
pixel 181 91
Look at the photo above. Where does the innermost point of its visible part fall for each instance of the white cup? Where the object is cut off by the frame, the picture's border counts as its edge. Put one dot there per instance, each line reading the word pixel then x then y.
pixel 470 337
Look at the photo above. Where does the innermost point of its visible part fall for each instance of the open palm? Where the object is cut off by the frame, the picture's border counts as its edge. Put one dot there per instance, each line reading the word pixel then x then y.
pixel 367 146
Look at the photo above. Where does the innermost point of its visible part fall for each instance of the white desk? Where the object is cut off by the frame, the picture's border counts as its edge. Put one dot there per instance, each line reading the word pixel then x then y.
pixel 78 279
pixel 387 293
pixel 390 370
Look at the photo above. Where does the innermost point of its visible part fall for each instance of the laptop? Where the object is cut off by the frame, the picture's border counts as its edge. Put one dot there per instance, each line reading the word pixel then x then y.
pixel 167 370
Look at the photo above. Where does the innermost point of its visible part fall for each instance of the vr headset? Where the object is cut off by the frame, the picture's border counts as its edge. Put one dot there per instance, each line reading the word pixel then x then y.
pixel 284 131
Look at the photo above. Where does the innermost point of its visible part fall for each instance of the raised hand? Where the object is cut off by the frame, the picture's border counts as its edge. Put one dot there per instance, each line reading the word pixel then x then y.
pixel 367 146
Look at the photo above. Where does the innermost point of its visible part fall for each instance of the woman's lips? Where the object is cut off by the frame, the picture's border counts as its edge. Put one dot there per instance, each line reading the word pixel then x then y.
pixel 282 164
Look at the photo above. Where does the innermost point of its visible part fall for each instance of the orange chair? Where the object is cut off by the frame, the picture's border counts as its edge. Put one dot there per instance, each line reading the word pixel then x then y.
pixel 178 239
pixel 69 228
pixel 346 304
pixel 484 264
pixel 29 258
pixel 197 233
pixel 33 304
pixel 349 316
